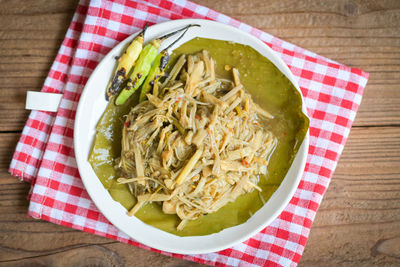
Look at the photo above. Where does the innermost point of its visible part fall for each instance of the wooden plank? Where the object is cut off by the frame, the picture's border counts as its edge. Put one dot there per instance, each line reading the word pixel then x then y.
pixel 27 50
pixel 7 146
pixel 340 7
pixel 360 213
pixel 35 7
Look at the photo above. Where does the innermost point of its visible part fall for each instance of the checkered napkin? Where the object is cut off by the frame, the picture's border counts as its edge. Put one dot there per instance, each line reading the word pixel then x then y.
pixel 44 155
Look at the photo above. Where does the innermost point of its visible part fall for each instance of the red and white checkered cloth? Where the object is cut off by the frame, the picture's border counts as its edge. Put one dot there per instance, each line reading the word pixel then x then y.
pixel 45 157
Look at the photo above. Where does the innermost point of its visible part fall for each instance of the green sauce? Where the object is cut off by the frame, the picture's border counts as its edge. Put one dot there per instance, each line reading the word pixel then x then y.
pixel 268 87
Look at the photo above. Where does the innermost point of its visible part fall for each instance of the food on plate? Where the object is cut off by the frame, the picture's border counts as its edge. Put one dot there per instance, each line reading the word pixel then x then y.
pixel 158 69
pixel 189 178
pixel 196 143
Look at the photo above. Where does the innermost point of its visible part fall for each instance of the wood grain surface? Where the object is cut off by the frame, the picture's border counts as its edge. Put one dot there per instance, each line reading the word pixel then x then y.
pixel 358 223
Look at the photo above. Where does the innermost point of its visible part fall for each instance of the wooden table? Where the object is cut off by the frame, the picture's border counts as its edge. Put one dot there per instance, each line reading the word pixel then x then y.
pixel 358 222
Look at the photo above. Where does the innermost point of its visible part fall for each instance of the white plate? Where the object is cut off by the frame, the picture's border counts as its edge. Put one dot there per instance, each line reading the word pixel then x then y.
pixel 90 108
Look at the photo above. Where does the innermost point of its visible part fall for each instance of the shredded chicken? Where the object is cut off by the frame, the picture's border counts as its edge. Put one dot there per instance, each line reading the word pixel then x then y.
pixel 194 145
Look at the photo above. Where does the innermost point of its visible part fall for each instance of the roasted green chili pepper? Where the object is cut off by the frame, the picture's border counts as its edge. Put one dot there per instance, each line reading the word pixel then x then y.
pixel 125 63
pixel 140 71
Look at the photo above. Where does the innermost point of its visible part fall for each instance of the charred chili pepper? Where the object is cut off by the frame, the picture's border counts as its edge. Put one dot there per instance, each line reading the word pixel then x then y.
pixel 125 63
